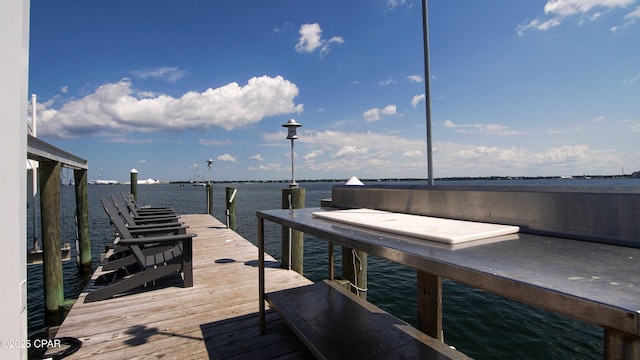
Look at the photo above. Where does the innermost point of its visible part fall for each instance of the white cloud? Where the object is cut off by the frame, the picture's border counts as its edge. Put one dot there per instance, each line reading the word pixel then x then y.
pixel 266 167
pixel 116 108
pixel 311 39
pixel 387 82
pixel 573 7
pixel 169 74
pixel 540 25
pixel 485 129
pixel 415 78
pixel 454 159
pixel 375 114
pixel 375 155
pixel 64 89
pixel 227 158
pixel 314 154
pixel 416 99
pixel 350 150
pixel 413 153
pixel 368 153
pixel 634 15
pixel 392 4
pixel 556 11
pixel 257 157
pixel 633 125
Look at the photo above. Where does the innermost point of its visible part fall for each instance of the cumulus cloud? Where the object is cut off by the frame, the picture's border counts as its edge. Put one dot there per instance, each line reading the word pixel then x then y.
pixel 415 78
pixel 266 167
pixel 454 159
pixel 375 114
pixel 227 158
pixel 633 125
pixel 372 154
pixel 416 99
pixel 485 129
pixel 314 154
pixel 365 153
pixel 117 108
pixel 311 39
pixel 257 157
pixel 413 153
pixel 556 11
pixel 169 74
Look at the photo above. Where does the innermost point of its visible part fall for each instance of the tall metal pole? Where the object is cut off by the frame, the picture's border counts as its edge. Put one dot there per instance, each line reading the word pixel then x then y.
pixel 293 179
pixel 427 86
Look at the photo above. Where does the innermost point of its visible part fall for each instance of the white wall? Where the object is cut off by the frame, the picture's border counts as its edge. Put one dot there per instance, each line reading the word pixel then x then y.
pixel 14 66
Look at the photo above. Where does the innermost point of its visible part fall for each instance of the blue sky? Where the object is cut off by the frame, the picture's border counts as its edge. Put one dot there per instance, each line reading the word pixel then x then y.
pixel 518 88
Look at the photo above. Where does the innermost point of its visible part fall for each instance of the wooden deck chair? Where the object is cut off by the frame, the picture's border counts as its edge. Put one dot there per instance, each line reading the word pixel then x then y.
pixel 147 217
pixel 145 210
pixel 155 257
pixel 144 222
pixel 115 260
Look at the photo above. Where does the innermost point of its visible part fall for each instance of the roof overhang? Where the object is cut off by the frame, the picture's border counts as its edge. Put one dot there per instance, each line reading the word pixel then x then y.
pixel 43 151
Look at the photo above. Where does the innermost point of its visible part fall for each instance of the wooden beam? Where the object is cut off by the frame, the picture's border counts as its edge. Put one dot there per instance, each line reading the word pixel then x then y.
pixel 430 304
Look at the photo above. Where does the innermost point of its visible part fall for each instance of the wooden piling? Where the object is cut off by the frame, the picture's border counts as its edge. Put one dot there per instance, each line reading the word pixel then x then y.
pixel 49 173
pixel 354 269
pixel 292 240
pixel 209 189
pixel 430 304
pixel 134 184
pixel 231 207
pixel 83 247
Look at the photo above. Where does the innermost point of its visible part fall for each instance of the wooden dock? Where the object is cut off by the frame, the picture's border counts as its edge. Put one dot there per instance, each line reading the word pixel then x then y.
pixel 217 318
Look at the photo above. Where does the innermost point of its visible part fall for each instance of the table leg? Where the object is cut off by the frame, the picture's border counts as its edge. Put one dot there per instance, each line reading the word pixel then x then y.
pixel 618 345
pixel 331 259
pixel 261 274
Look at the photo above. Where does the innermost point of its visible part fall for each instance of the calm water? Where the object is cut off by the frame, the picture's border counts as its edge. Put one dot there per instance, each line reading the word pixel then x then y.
pixel 479 324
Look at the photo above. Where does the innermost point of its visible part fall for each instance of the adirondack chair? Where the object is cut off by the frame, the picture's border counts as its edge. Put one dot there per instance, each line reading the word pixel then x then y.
pixel 151 258
pixel 144 222
pixel 145 210
pixel 114 261
pixel 148 216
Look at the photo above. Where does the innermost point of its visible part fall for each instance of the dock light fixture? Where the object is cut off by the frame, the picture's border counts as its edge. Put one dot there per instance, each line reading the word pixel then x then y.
pixel 210 164
pixel 292 126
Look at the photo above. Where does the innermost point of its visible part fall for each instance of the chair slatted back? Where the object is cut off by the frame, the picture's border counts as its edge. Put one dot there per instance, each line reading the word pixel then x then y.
pixel 121 228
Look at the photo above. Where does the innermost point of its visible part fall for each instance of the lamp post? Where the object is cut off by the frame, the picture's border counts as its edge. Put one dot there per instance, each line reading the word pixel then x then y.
pixel 292 126
pixel 209 190
pixel 292 198
pixel 210 164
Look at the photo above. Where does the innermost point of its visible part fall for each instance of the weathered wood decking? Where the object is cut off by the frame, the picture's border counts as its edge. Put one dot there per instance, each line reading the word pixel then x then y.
pixel 217 318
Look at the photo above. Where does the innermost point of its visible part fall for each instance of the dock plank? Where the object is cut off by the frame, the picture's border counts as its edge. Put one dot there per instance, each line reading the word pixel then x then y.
pixel 216 318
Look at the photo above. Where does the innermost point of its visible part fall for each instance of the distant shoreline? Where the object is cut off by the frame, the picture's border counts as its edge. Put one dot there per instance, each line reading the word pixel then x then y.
pixel 455 178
